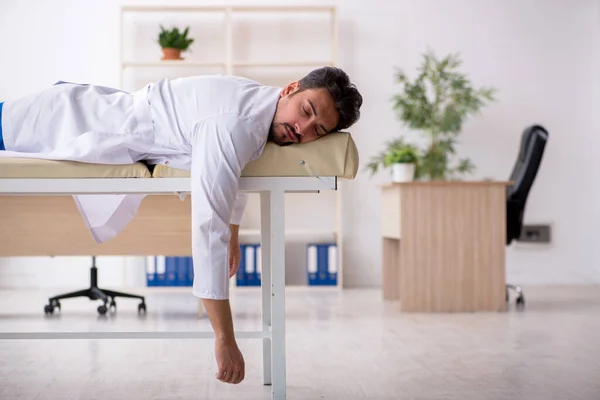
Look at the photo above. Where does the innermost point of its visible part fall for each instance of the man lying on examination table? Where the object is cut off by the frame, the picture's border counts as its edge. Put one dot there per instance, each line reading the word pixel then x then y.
pixel 210 125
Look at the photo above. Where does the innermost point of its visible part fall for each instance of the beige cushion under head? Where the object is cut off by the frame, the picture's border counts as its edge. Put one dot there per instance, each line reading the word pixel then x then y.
pixel 334 154
pixel 35 168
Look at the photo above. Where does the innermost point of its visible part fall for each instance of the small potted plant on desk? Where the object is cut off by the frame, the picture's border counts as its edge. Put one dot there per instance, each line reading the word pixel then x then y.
pixel 401 157
pixel 403 162
pixel 173 43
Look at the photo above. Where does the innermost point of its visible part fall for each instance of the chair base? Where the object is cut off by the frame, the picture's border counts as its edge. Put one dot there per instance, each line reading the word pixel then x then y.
pixel 520 301
pixel 95 293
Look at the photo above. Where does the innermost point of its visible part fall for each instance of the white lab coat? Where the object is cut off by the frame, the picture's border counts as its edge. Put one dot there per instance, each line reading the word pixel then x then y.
pixel 210 125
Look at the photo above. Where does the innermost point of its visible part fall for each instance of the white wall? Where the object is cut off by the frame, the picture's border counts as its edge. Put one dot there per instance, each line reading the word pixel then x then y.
pixel 593 237
pixel 541 55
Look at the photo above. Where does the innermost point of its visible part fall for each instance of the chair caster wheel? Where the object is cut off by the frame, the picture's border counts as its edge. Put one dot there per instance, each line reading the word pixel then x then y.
pixel 52 304
pixel 520 301
pixel 142 308
pixel 102 310
pixel 113 306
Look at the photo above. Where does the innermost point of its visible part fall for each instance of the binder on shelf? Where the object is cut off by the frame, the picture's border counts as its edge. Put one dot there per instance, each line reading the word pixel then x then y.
pixel 169 271
pixel 179 271
pixel 155 271
pixel 184 264
pixel 322 264
pixel 190 271
pixel 249 269
pixel 151 276
pixel 161 275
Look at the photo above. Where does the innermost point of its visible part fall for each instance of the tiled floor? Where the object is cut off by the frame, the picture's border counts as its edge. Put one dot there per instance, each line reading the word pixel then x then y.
pixel 340 345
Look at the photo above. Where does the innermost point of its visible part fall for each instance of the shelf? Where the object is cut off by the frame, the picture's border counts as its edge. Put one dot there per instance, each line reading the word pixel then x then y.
pixel 172 63
pixel 292 232
pixel 232 8
pixel 283 9
pixel 250 64
pixel 282 64
pixel 173 8
pixel 230 61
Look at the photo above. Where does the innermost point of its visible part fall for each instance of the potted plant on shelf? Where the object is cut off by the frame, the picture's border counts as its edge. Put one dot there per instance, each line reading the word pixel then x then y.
pixel 403 158
pixel 437 102
pixel 174 42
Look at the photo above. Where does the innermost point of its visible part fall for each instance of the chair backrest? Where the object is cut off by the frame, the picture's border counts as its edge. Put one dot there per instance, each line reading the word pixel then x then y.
pixel 533 143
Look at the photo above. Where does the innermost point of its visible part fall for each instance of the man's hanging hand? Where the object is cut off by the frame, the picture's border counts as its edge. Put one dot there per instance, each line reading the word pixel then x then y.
pixel 235 253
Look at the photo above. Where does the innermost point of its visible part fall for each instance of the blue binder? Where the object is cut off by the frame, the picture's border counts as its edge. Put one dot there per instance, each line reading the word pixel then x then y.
pixel 190 271
pixel 183 264
pixel 156 271
pixel 169 271
pixel 322 264
pixel 249 269
pixel 151 276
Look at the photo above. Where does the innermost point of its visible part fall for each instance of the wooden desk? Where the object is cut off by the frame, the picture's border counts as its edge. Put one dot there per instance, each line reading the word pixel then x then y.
pixel 444 245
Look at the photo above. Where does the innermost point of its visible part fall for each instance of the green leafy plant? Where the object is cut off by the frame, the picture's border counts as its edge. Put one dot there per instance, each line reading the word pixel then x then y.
pixel 174 39
pixel 404 156
pixel 397 151
pixel 438 102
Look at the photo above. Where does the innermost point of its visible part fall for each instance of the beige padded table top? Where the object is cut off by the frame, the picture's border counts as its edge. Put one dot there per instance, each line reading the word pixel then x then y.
pixel 334 154
pixel 36 168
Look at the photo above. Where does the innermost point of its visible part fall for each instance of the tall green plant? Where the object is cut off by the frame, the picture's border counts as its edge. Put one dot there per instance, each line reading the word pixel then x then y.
pixel 437 102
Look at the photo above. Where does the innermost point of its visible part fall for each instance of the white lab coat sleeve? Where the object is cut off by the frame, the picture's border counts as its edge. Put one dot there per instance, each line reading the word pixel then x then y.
pixel 238 208
pixel 221 147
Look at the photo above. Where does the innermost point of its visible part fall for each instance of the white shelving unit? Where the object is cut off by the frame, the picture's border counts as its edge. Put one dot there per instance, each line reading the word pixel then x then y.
pixel 229 63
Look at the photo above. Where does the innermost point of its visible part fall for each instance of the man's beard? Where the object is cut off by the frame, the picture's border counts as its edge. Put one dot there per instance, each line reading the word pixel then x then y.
pixel 273 135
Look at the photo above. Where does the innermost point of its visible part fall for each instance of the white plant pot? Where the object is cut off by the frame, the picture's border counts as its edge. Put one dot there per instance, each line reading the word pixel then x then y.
pixel 403 172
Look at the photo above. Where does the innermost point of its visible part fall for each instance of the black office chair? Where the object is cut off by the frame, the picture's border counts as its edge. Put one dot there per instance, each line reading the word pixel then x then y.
pixel 95 293
pixel 533 142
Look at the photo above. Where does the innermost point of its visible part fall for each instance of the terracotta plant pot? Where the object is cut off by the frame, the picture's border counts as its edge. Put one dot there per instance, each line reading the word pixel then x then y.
pixel 171 54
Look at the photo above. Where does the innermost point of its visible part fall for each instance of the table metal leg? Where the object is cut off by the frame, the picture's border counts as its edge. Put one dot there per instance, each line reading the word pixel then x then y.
pixel 265 218
pixel 276 245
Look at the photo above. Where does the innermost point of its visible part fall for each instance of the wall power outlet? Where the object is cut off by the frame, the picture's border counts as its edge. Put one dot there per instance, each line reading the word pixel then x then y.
pixel 539 233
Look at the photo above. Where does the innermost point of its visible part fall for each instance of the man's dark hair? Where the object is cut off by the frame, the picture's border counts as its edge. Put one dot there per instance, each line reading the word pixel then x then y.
pixel 345 96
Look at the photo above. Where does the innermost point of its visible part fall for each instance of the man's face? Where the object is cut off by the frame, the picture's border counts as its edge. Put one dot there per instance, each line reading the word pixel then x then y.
pixel 302 116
